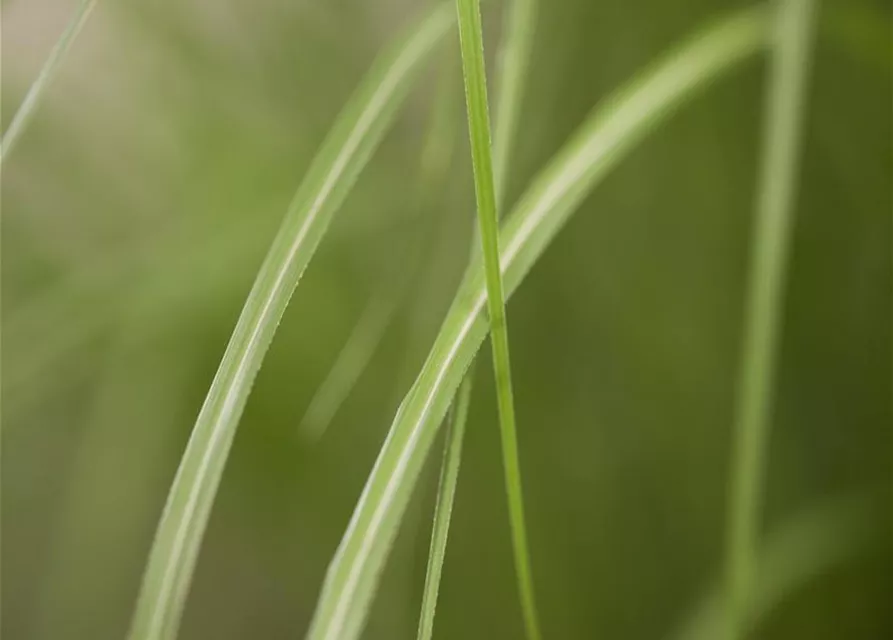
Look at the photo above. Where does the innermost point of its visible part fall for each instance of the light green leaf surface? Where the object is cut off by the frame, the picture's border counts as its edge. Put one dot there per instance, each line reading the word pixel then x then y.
pixel 358 130
pixel 612 130
pixel 792 34
pixel 29 105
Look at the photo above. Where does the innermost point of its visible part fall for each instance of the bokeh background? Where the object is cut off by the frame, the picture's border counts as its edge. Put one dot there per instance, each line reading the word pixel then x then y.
pixel 137 209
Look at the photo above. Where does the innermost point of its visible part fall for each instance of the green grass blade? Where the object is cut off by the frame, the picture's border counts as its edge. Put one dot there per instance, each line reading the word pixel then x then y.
pixel 32 99
pixel 514 60
pixel 472 46
pixel 356 133
pixel 446 492
pixel 602 141
pixel 792 34
pixel 805 546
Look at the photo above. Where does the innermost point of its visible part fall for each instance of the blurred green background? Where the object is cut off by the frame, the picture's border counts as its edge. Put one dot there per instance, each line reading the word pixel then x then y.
pixel 140 203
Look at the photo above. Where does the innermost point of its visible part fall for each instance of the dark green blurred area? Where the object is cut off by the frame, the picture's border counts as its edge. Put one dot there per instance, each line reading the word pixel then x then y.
pixel 139 206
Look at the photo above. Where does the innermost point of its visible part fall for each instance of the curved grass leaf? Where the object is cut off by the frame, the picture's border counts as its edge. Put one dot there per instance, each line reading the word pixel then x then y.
pixel 355 135
pixel 32 99
pixel 792 31
pixel 856 31
pixel 446 492
pixel 472 46
pixel 603 140
pixel 804 547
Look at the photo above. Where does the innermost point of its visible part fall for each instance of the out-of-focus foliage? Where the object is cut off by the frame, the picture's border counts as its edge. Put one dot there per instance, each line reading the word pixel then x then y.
pixel 141 200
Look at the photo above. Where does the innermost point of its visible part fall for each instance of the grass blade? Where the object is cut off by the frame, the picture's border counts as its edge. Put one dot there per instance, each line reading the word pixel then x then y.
pixel 446 492
pixel 514 58
pixel 792 34
pixel 602 141
pixel 519 26
pixel 356 133
pixel 472 46
pixel 32 99
pixel 805 546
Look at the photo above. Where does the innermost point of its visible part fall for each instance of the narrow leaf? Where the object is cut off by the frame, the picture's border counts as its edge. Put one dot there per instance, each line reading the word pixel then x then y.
pixel 608 134
pixel 446 492
pixel 32 99
pixel 472 46
pixel 358 130
pixel 514 57
pixel 792 34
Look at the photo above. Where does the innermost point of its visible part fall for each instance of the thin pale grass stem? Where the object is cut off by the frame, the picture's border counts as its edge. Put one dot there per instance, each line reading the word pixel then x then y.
pixel 32 99
pixel 791 42
pixel 446 492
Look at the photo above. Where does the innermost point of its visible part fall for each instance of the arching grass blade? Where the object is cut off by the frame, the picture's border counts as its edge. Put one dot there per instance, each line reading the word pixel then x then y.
pixel 351 141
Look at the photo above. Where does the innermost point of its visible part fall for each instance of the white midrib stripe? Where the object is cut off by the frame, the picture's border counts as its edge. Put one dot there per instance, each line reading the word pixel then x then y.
pixel 379 100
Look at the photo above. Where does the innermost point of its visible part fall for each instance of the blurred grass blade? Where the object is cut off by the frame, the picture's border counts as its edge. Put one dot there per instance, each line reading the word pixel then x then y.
pixel 803 548
pixel 350 363
pixel 608 134
pixel 377 316
pixel 472 46
pixel 32 99
pixel 446 492
pixel 351 141
pixel 792 34
pixel 514 61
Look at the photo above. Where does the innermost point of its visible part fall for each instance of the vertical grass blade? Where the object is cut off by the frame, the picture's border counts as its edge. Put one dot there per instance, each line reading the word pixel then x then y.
pixel 514 60
pixel 792 35
pixel 611 131
pixel 32 99
pixel 358 129
pixel 514 56
pixel 446 492
pixel 472 46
